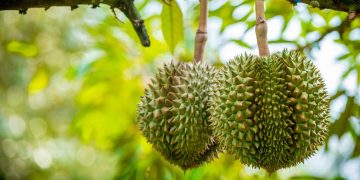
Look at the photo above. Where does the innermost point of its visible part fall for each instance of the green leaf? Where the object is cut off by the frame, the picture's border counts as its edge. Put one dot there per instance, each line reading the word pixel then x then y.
pixel 344 56
pixel 39 82
pixel 340 126
pixel 347 72
pixel 22 48
pixel 337 94
pixel 172 24
pixel 242 44
pixel 358 74
pixel 356 151
pixel 306 177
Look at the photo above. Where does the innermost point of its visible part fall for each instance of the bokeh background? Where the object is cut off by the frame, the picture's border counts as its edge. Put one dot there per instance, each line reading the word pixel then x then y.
pixel 70 82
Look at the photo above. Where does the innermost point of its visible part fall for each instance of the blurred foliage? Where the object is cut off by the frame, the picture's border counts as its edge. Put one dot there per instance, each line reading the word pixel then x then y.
pixel 70 83
pixel 172 24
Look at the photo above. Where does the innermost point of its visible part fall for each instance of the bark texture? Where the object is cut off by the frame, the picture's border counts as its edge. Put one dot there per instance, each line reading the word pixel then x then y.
pixel 126 6
pixel 338 5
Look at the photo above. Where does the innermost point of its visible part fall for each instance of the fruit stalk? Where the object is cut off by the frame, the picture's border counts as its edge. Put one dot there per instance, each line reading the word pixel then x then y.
pixel 261 29
pixel 201 33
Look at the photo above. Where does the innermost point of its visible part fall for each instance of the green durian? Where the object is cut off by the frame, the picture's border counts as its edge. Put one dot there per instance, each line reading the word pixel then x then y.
pixel 173 114
pixel 270 112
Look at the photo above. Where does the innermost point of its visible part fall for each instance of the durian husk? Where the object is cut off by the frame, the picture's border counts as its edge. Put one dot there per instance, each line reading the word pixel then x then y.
pixel 270 112
pixel 173 114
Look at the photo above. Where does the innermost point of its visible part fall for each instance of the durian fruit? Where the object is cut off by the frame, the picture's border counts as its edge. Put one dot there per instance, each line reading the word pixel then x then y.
pixel 173 115
pixel 270 112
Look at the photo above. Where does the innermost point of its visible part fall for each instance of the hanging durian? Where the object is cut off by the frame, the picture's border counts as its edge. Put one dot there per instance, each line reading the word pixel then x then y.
pixel 173 114
pixel 270 112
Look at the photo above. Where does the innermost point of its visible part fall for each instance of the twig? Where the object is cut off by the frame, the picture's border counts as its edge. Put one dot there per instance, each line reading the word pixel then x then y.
pixel 129 9
pixel 352 15
pixel 261 29
pixel 338 5
pixel 126 6
pixel 201 33
pixel 115 15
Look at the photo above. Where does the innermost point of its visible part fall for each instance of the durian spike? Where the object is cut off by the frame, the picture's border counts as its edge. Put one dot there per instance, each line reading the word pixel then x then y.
pixel 201 33
pixel 261 29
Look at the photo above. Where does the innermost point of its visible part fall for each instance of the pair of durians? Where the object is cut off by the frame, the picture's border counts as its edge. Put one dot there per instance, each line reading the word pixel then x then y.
pixel 269 112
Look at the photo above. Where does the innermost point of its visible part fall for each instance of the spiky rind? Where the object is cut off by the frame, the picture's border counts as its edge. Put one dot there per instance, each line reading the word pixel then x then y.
pixel 173 114
pixel 270 112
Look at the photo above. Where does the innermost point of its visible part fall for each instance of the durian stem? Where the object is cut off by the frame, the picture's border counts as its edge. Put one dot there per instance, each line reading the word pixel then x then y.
pixel 201 33
pixel 261 29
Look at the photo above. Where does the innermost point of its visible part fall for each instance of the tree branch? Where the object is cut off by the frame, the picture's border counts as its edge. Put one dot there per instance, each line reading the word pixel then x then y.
pixel 261 29
pixel 126 6
pixel 201 33
pixel 349 6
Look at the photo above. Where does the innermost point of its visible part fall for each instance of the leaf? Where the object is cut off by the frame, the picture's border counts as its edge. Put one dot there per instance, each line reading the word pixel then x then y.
pixel 358 74
pixel 242 43
pixel 341 125
pixel 172 24
pixel 337 94
pixel 344 56
pixel 39 82
pixel 281 41
pixel 347 72
pixel 356 151
pixel 306 177
pixel 22 48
